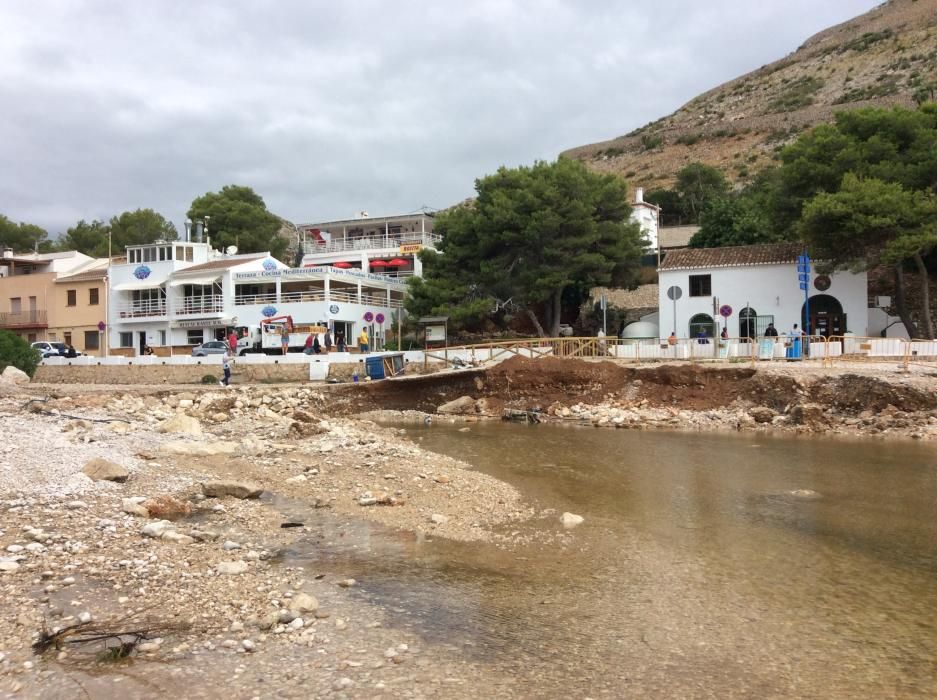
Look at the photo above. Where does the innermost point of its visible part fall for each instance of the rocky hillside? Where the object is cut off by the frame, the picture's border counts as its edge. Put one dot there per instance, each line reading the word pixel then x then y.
pixel 886 56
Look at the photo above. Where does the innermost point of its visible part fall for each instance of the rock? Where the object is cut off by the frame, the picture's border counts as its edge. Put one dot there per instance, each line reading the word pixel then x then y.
pixel 762 414
pixel 8 566
pixel 157 528
pixel 438 519
pixel 804 494
pixel 148 647
pixel 808 414
pixel 229 546
pixel 247 645
pixel 84 617
pixel 14 375
pixel 297 624
pixel 76 505
pixel 180 423
pixel 15 548
pixel 200 449
pixel 104 470
pixel 347 583
pixel 571 520
pixel 343 684
pixel 177 537
pixel 134 507
pixel 235 489
pixel 166 508
pixel 464 405
pixel 232 568
pixel 304 603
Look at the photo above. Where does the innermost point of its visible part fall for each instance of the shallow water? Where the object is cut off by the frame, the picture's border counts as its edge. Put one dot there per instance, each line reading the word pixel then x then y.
pixel 697 571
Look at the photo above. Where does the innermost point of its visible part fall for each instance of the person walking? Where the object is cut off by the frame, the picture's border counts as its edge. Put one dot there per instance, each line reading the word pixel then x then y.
pixel 603 345
pixel 285 339
pixel 307 347
pixel 327 340
pixel 226 368
pixel 340 341
pixel 363 341
pixel 233 342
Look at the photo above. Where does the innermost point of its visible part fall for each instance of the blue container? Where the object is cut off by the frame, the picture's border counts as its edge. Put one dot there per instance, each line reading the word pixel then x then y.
pixel 374 367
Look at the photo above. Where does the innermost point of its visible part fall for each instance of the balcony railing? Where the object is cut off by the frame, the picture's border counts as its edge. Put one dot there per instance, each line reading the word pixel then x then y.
pixel 33 318
pixel 199 306
pixel 316 295
pixel 141 309
pixel 359 243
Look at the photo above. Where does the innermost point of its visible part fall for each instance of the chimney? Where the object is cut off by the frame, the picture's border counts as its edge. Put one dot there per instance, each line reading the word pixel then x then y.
pixel 7 253
pixel 639 195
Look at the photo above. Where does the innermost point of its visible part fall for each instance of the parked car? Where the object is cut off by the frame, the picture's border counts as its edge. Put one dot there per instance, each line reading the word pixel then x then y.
pixel 52 349
pixel 212 347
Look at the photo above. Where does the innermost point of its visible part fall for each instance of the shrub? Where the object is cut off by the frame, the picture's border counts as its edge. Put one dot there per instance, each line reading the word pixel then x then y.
pixel 651 141
pixel 17 352
pixel 688 139
pixel 797 95
pixel 209 379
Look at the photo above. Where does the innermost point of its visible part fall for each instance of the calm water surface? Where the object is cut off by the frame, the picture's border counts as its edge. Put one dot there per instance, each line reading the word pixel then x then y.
pixel 696 573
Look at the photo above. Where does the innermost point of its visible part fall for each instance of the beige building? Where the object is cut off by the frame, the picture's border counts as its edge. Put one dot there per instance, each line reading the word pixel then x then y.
pixel 79 308
pixel 36 305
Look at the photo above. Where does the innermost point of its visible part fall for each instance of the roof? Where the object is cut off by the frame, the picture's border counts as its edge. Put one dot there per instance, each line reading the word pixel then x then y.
pixel 733 256
pixel 433 319
pixel 95 269
pixel 365 220
pixel 676 236
pixel 642 297
pixel 223 264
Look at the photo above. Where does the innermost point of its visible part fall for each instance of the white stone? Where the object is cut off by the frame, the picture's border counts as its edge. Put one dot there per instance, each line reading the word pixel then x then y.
pixel 157 528
pixel 438 519
pixel 571 520
pixel 14 375
pixel 232 568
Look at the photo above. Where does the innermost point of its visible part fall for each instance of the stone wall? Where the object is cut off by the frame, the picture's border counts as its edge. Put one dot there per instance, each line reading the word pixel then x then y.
pixel 169 374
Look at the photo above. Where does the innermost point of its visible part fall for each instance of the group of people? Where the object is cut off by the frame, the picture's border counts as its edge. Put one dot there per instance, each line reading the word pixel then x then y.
pixel 702 337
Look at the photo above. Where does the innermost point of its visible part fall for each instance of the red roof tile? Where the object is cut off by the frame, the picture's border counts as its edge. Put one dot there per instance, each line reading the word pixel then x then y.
pixel 733 256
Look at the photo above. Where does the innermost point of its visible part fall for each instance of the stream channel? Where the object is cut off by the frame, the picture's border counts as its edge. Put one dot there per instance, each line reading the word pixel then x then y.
pixel 708 565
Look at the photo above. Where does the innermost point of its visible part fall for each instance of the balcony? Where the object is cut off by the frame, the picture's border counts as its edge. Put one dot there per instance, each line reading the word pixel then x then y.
pixel 391 241
pixel 200 306
pixel 34 318
pixel 141 309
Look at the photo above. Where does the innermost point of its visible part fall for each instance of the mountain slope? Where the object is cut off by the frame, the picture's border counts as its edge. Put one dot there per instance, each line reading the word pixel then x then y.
pixel 886 56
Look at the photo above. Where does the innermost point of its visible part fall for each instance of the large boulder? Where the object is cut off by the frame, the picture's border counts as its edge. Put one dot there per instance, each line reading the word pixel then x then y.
pixel 809 415
pixel 14 375
pixel 464 405
pixel 180 423
pixel 235 489
pixel 101 469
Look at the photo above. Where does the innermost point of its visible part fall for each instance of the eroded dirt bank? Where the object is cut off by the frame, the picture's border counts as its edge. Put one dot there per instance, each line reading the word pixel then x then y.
pixel 865 400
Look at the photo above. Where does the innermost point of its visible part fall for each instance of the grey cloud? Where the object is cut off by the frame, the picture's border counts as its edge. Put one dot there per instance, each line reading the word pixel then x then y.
pixel 329 108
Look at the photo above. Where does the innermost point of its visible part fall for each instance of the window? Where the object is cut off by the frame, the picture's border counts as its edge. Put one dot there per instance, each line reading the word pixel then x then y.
pixel 701 286
pixel 16 305
pixel 67 337
pixel 194 337
pixel 179 254
pixel 93 296
pixel 188 254
pixel 72 297
pixel 702 323
pixel 162 338
pixel 126 340
pixel 91 340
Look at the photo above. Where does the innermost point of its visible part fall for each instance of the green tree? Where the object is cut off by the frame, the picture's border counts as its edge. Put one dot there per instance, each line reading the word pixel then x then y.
pixel 87 238
pixel 23 237
pixel 697 185
pixel 532 233
pixel 238 216
pixel 732 221
pixel 140 227
pixel 17 352
pixel 867 223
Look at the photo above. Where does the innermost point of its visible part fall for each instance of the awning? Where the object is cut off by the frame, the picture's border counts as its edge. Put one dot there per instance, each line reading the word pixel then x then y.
pixel 207 279
pixel 133 286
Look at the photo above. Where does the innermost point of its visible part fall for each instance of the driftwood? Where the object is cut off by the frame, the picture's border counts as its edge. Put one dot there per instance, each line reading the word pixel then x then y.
pixel 120 635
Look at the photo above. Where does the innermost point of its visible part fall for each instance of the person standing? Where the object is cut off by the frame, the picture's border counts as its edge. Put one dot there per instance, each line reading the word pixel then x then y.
pixel 307 348
pixel 328 340
pixel 725 333
pixel 226 368
pixel 672 339
pixel 285 339
pixel 602 344
pixel 363 341
pixel 340 341
pixel 233 342
pixel 771 331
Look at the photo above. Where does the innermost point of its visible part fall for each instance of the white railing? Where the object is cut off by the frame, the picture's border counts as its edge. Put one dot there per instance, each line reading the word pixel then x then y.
pixel 141 309
pixel 304 295
pixel 199 305
pixel 346 297
pixel 394 275
pixel 248 299
pixel 389 242
pixel 317 295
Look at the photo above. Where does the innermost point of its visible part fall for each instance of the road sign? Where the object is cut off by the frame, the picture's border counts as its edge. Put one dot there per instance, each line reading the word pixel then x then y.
pixel 379 318
pixel 803 286
pixel 725 311
pixel 803 268
pixel 101 325
pixel 674 293
pixel 803 277
pixel 803 259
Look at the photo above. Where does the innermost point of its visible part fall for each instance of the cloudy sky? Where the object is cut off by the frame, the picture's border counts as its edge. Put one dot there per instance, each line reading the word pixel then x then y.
pixel 330 108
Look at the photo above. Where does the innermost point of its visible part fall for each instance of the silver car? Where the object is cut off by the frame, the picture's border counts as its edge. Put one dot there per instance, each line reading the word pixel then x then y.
pixel 212 347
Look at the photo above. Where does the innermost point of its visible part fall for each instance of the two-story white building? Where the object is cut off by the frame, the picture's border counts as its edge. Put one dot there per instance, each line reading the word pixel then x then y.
pixel 172 296
pixel 756 285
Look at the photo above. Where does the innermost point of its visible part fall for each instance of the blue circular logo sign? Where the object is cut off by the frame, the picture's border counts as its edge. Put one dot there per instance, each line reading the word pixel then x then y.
pixel 269 265
pixel 142 272
pixel 269 311
pixel 333 309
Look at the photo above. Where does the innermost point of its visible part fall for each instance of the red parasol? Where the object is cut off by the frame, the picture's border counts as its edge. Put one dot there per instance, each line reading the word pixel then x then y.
pixel 377 263
pixel 343 265
pixel 397 262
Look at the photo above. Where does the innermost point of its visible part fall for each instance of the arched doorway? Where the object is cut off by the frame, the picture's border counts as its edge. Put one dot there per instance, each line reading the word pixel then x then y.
pixel 826 316
pixel 747 323
pixel 704 323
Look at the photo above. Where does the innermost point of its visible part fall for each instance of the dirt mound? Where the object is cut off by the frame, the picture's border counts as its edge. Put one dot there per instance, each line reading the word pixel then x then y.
pixel 853 393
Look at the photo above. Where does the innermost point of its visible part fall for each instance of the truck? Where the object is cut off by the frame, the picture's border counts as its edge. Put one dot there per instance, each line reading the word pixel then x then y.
pixel 266 337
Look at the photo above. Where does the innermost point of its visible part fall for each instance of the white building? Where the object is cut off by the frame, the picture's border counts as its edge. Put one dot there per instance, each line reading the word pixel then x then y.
pixel 758 284
pixel 386 245
pixel 171 296
pixel 646 215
